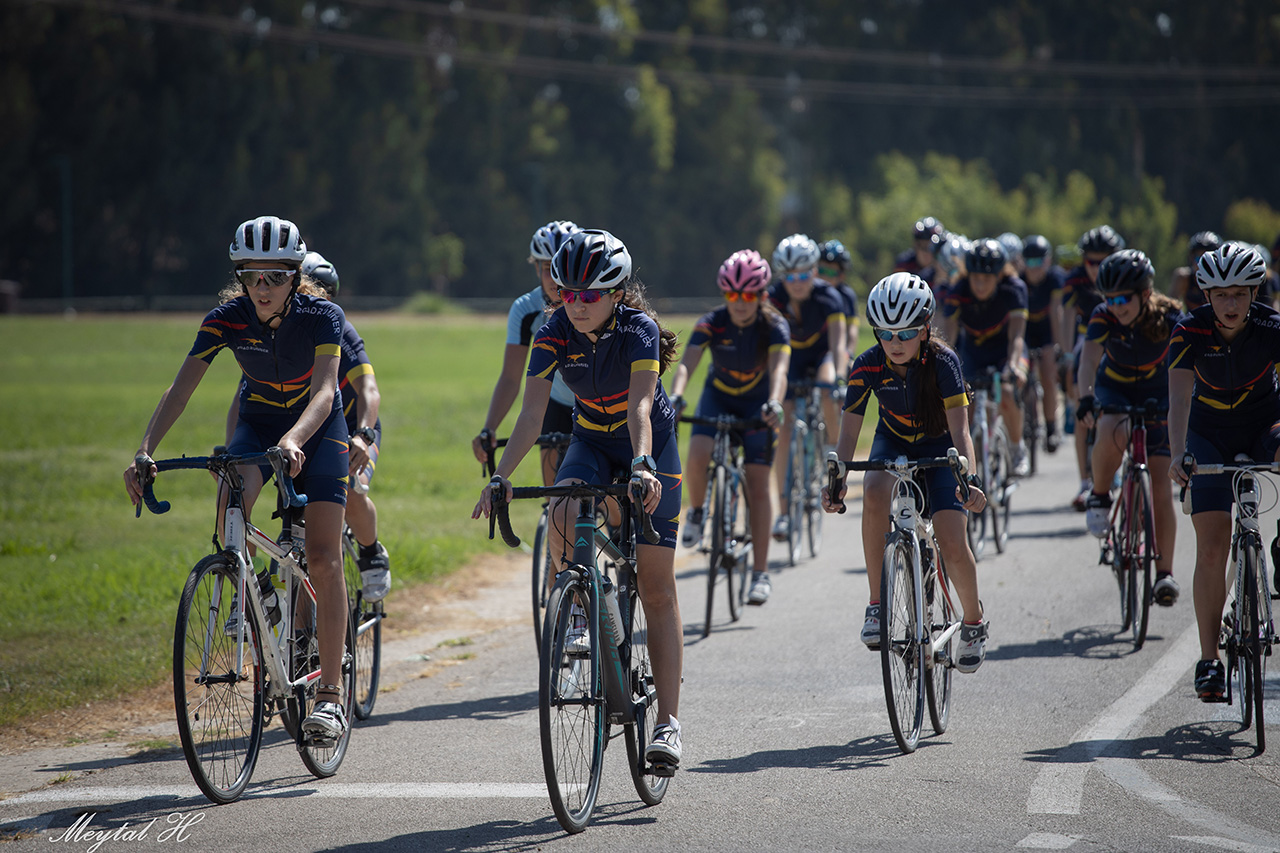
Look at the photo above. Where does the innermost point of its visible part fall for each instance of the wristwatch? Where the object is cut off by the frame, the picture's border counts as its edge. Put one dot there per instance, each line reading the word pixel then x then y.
pixel 367 433
pixel 650 464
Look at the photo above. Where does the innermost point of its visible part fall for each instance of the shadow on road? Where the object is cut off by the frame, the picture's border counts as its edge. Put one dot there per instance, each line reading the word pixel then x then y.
pixel 1211 742
pixel 871 751
pixel 484 708
pixel 1101 642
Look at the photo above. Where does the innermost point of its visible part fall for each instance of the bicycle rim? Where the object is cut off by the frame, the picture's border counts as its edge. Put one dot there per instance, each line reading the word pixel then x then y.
pixel 999 508
pixel 538 578
pixel 941 615
pixel 324 758
pixel 570 712
pixel 1142 560
pixel 900 661
pixel 218 698
pixel 644 696
pixel 795 499
pixel 1254 652
pixel 368 626
pixel 716 566
pixel 737 560
pixel 813 490
pixel 976 529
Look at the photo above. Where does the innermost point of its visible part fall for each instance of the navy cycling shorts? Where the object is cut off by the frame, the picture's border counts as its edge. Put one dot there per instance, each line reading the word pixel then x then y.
pixel 1212 492
pixel 940 482
pixel 595 460
pixel 324 473
pixel 757 444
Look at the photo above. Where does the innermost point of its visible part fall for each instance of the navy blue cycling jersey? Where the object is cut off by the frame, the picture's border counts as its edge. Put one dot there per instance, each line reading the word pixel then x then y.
pixel 984 324
pixel 809 341
pixel 1081 296
pixel 1040 296
pixel 898 396
pixel 1236 381
pixel 738 366
pixel 277 363
pixel 599 374
pixel 850 297
pixel 1128 356
pixel 354 363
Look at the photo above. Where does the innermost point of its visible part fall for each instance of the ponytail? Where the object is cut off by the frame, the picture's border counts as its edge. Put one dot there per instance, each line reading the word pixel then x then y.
pixel 634 297
pixel 931 412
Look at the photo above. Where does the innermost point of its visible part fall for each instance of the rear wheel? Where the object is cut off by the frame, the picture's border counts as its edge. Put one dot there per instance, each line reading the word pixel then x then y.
pixel 719 541
pixel 644 695
pixel 323 758
pixel 539 577
pixel 1142 557
pixel 367 617
pixel 815 474
pixel 1000 472
pixel 795 497
pixel 218 683
pixel 941 614
pixel 571 717
pixel 977 525
pixel 900 660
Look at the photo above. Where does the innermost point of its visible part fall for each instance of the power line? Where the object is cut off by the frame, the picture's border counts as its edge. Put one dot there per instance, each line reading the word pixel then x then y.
pixel 907 94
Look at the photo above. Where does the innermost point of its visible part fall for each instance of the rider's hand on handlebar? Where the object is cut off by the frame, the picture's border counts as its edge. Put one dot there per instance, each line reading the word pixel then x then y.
pixel 482 441
pixel 977 499
pixel 1180 472
pixel 771 413
pixel 1085 411
pixel 829 505
pixel 484 506
pixel 131 483
pixel 652 489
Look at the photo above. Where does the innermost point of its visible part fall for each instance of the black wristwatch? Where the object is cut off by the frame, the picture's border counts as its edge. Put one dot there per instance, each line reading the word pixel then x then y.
pixel 650 464
pixel 367 433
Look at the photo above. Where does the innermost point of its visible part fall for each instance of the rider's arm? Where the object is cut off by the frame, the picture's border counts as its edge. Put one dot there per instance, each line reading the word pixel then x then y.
pixel 836 336
pixel 779 362
pixel 950 328
pixel 688 364
pixel 1055 320
pixel 850 428
pixel 639 409
pixel 958 426
pixel 324 385
pixel 368 402
pixel 508 385
pixel 1087 373
pixel 1181 383
pixel 537 391
pixel 1017 339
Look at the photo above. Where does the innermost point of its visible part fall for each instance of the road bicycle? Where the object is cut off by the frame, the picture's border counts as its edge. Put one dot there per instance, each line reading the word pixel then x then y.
pixel 919 622
pixel 367 618
pixel 1034 430
pixel 583 695
pixel 724 511
pixel 540 580
pixel 993 463
pixel 805 469
pixel 1130 547
pixel 236 663
pixel 1248 632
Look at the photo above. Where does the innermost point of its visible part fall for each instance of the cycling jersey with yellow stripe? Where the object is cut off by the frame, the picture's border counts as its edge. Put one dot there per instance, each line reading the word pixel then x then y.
pixel 1233 380
pixel 599 374
pixel 737 367
pixel 898 396
pixel 353 365
pixel 984 324
pixel 1081 296
pixel 277 364
pixel 1128 357
pixel 809 330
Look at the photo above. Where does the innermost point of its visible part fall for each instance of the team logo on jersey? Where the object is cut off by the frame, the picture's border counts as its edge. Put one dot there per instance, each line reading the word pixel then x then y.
pixel 577 356
pixel 254 342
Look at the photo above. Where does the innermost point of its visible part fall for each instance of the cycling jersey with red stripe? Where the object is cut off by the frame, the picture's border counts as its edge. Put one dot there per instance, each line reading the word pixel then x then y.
pixel 739 365
pixel 599 373
pixel 277 363
pixel 809 343
pixel 984 324
pixel 1128 356
pixel 1234 381
pixel 1079 295
pixel 899 397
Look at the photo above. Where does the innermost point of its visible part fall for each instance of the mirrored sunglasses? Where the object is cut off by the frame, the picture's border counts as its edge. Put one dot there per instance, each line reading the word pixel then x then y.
pixel 589 297
pixel 1120 299
pixel 735 296
pixel 275 278
pixel 798 276
pixel 902 335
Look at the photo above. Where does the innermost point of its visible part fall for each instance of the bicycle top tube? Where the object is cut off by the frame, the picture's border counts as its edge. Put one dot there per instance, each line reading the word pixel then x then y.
pixel 219 463
pixel 622 491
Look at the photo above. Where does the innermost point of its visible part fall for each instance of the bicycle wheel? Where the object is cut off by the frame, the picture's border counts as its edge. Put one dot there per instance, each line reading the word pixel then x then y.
pixel 218 685
pixel 367 617
pixel 941 615
pixel 1141 557
pixel 539 577
pixel 323 758
pixel 1032 411
pixel 1000 471
pixel 816 466
pixel 570 710
pixel 644 697
pixel 900 660
pixel 976 529
pixel 1252 651
pixel 795 496
pixel 737 561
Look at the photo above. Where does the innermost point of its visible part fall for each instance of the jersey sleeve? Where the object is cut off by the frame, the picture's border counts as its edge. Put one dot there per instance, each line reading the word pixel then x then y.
pixel 864 376
pixel 951 380
pixel 355 361
pixel 644 343
pixel 779 336
pixel 214 334
pixel 524 318
pixel 1099 328
pixel 548 347
pixel 832 303
pixel 1182 345
pixel 951 299
pixel 1017 298
pixel 328 330
pixel 701 331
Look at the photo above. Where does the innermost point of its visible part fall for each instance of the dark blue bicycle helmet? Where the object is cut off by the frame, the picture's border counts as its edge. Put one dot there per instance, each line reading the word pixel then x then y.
pixel 986 256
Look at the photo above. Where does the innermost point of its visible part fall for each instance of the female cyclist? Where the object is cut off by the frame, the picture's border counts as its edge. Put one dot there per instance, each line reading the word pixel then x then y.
pixel 1183 285
pixel 1044 281
pixel 989 306
pixel 1125 363
pixel 815 313
pixel 833 266
pixel 923 413
pixel 288 346
pixel 1223 400
pixel 750 348
pixel 609 347
pixel 527 315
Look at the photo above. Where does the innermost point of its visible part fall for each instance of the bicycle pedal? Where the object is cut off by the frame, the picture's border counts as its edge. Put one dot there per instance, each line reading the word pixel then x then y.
pixel 664 769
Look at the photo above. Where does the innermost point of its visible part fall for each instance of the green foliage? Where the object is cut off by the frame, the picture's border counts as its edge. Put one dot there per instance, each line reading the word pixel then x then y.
pixel 424 302
pixel 1251 220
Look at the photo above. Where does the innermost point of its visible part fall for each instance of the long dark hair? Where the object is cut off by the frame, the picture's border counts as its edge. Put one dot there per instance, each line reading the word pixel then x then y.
pixel 633 296
pixel 931 412
pixel 1153 322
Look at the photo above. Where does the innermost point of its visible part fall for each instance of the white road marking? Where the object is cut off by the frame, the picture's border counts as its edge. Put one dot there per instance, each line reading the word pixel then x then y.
pixel 1059 786
pixel 336 790
pixel 1224 843
pixel 1047 841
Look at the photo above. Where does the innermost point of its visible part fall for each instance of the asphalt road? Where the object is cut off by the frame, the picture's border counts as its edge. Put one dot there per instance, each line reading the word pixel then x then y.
pixel 1065 739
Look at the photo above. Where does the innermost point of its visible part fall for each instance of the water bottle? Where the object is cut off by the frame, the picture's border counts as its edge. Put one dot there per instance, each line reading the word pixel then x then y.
pixel 1069 420
pixel 270 601
pixel 612 613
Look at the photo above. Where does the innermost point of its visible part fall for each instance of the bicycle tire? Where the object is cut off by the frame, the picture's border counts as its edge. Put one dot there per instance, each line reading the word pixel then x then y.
pixel 644 696
pixel 1142 559
pixel 795 497
pixel 571 720
pixel 941 615
pixel 219 722
pixel 901 663
pixel 324 759
pixel 367 617
pixel 976 527
pixel 1032 409
pixel 716 565
pixel 539 577
pixel 817 472
pixel 1254 652
pixel 735 555
pixel 1000 472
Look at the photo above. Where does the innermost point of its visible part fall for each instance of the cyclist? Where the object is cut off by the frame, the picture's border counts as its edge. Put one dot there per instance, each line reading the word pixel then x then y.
pixel 1183 285
pixel 1079 298
pixel 1044 280
pixel 815 313
pixel 1013 248
pixel 1223 400
pixel 918 384
pixel 921 259
pixel 750 347
pixel 607 342
pixel 527 315
pixel 833 266
pixel 950 263
pixel 1125 363
pixel 278 333
pixel 986 313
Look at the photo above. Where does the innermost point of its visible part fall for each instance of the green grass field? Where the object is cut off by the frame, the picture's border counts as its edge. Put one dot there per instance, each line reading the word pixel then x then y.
pixel 88 592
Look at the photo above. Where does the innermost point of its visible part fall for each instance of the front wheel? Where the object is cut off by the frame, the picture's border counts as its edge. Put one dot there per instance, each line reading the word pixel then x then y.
pixel 794 503
pixel 539 577
pixel 901 663
pixel 1000 473
pixel 571 717
pixel 644 696
pixel 218 687
pixel 816 475
pixel 942 615
pixel 719 541
pixel 977 530
pixel 1142 549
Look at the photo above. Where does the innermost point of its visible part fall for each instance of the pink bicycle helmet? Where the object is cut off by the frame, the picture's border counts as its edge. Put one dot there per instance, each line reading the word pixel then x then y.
pixel 744 272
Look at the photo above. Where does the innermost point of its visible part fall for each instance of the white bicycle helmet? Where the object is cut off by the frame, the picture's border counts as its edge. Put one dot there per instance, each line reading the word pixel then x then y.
pixel 322 271
pixel 900 301
pixel 548 239
pixel 268 238
pixel 591 260
pixel 1231 265
pixel 797 252
pixel 951 253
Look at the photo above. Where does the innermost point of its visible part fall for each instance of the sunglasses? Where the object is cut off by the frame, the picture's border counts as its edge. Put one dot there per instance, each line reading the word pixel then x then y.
pixel 1120 299
pixel 735 296
pixel 903 335
pixel 1033 262
pixel 1093 262
pixel 829 272
pixel 588 297
pixel 274 278
pixel 798 276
